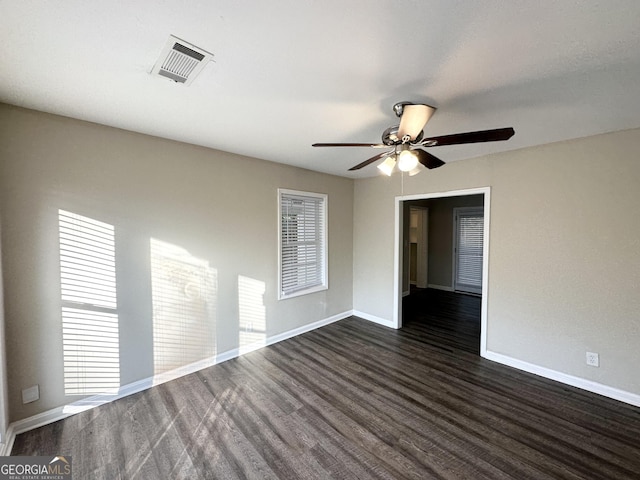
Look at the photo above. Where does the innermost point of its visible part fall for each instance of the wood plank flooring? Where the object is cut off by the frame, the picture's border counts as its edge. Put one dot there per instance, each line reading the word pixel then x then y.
pixel 450 320
pixel 352 400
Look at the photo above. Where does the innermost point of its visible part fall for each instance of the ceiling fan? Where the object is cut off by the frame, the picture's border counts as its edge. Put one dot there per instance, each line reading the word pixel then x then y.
pixel 404 143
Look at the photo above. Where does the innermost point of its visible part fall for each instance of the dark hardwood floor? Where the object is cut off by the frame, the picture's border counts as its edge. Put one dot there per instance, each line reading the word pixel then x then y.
pixel 450 320
pixel 352 400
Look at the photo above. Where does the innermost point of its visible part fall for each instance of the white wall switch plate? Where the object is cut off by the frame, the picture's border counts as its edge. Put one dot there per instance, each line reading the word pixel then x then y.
pixel 593 359
pixel 31 394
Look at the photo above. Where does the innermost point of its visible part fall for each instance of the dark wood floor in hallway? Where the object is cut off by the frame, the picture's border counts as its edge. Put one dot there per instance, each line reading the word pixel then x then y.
pixel 450 320
pixel 352 400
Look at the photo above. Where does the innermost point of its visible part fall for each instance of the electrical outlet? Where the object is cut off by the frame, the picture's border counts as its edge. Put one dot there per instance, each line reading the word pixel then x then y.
pixel 593 359
pixel 31 394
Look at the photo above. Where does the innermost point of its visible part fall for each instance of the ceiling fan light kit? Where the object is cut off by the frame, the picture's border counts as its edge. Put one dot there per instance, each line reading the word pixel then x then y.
pixel 387 166
pixel 419 168
pixel 408 142
pixel 407 160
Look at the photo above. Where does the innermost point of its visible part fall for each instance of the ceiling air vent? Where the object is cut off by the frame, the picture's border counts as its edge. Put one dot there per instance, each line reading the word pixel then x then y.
pixel 180 61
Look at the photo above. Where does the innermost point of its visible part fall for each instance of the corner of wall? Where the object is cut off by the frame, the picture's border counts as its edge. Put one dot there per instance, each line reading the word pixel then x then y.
pixel 4 401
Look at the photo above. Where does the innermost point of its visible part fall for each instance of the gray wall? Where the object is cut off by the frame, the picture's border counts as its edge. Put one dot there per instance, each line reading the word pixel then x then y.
pixel 219 207
pixel 564 258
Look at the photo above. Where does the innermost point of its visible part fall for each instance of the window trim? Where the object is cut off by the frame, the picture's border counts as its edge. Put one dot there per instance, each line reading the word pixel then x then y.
pixel 324 285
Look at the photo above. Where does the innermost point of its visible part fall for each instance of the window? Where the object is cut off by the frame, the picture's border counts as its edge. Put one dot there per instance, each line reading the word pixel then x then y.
pixel 469 225
pixel 302 243
pixel 90 336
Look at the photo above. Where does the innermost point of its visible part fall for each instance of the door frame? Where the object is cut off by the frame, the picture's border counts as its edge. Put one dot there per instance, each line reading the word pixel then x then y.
pixel 398 254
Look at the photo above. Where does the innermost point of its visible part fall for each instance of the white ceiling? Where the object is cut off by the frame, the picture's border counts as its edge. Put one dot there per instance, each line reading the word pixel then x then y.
pixel 287 74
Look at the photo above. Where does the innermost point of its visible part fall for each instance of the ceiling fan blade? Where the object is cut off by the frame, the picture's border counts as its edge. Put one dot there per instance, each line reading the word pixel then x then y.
pixel 371 160
pixel 372 145
pixel 413 120
pixel 470 137
pixel 428 160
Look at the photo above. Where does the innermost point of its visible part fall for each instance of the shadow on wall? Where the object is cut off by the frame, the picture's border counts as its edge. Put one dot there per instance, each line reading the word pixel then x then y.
pixel 184 291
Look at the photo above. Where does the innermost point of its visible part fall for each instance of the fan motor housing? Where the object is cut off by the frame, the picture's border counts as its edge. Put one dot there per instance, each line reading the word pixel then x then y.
pixel 390 136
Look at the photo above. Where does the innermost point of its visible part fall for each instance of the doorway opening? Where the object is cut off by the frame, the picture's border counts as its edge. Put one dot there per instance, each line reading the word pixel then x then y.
pixel 454 259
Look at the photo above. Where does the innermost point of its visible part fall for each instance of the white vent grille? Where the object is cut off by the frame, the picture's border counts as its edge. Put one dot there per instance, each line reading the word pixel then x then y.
pixel 181 61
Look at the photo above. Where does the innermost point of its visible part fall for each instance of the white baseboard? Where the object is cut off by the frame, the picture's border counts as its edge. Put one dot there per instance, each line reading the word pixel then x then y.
pixel 7 446
pixel 372 318
pixel 440 287
pixel 588 385
pixel 65 411
pixel 307 328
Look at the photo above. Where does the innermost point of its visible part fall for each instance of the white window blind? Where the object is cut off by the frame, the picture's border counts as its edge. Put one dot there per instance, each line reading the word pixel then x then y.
pixel 302 242
pixel 90 334
pixel 469 243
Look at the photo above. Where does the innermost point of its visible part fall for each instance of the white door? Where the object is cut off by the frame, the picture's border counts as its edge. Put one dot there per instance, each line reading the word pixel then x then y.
pixel 468 236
